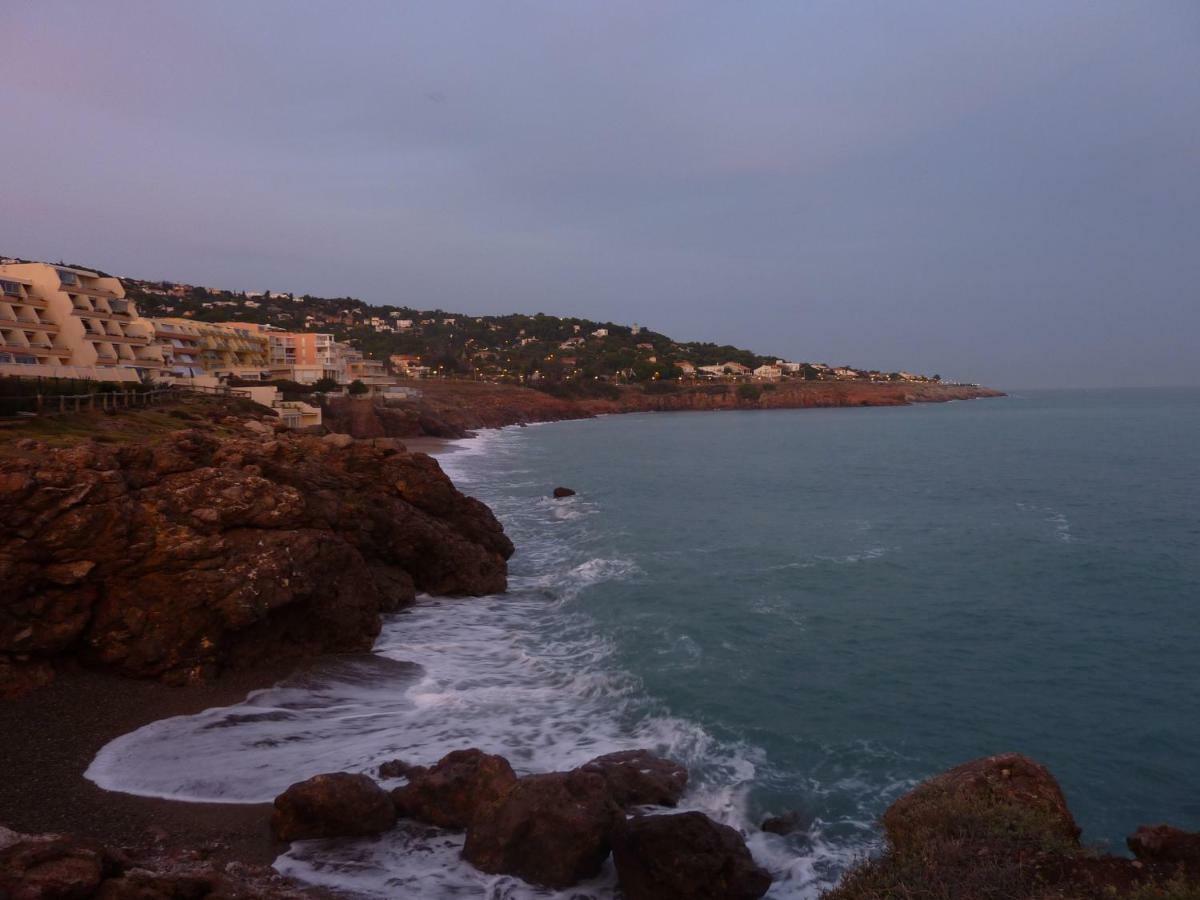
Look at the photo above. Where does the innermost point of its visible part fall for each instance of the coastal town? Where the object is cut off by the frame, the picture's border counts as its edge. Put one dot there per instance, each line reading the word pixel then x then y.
pixel 62 321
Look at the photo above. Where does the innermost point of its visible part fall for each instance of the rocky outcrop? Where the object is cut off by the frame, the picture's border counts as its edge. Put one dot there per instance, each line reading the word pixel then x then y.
pixel 1165 844
pixel 1000 827
pixel 175 558
pixel 451 792
pixel 560 493
pixel 62 867
pixel 1008 780
pixel 639 778
pixel 551 830
pixel 452 409
pixel 792 394
pixel 337 804
pixel 685 856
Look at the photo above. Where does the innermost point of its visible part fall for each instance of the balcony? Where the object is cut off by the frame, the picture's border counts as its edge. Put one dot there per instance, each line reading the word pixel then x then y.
pixel 130 340
pixel 40 352
pixel 88 290
pixel 100 315
pixel 26 325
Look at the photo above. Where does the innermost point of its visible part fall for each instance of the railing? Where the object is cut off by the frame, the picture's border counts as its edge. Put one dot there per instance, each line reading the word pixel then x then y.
pixel 53 404
pixel 48 404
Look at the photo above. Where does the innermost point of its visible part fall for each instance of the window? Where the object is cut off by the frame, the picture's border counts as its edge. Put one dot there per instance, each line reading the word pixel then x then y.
pixel 65 277
pixel 10 288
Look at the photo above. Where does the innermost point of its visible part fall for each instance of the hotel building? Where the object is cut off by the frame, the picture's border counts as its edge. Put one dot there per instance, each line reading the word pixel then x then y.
pixel 62 322
pixel 214 348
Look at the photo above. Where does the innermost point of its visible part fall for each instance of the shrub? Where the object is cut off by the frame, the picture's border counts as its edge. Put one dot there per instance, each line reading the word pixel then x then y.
pixel 357 388
pixel 749 392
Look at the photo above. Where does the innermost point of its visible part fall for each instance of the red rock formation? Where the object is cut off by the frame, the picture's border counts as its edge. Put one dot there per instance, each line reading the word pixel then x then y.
pixel 639 778
pixel 552 830
pixel 337 804
pixel 62 867
pixel 453 408
pixel 176 558
pixel 685 856
pixel 451 792
pixel 1005 780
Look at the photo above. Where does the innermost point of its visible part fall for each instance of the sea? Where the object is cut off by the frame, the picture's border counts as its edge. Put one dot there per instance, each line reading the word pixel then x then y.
pixel 812 609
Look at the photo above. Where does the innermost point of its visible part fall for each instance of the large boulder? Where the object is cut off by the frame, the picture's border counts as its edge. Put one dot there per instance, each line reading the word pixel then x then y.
pixel 552 830
pixel 685 856
pixel 449 794
pixel 995 786
pixel 561 493
pixel 338 804
pixel 1166 844
pixel 639 778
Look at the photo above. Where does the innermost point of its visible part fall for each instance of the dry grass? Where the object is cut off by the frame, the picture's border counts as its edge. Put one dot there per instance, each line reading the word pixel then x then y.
pixel 129 426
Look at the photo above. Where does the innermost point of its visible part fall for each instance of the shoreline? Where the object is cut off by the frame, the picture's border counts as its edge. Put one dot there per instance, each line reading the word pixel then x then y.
pixel 52 734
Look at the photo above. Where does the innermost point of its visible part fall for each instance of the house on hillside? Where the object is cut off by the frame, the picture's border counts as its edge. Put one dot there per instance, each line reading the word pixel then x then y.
pixel 768 373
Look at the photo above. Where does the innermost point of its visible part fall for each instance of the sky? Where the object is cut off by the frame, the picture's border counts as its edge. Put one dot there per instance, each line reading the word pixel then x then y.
pixel 1001 192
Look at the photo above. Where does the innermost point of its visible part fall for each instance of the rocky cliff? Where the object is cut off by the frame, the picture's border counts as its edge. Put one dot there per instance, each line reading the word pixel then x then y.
pixel 783 395
pixel 452 408
pixel 175 557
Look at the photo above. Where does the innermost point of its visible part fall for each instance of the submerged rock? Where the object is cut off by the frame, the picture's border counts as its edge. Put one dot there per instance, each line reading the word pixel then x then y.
pixel 785 824
pixel 561 492
pixel 685 856
pixel 338 804
pixel 639 778
pixel 451 792
pixel 398 768
pixel 552 830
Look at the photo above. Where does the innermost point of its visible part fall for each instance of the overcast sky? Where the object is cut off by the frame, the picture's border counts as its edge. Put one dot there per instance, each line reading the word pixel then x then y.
pixel 1005 192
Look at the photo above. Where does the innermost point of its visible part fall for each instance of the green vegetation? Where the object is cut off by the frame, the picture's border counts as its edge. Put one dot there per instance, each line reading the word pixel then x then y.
pixel 551 353
pixel 749 392
pixel 357 388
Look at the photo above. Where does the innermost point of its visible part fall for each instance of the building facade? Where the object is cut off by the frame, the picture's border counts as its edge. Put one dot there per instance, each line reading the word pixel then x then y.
pixel 213 348
pixel 62 322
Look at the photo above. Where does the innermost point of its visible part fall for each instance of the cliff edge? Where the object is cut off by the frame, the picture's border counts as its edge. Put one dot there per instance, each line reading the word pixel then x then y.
pixel 183 553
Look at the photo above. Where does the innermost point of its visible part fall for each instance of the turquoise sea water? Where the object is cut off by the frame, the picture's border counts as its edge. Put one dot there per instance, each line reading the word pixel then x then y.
pixel 814 609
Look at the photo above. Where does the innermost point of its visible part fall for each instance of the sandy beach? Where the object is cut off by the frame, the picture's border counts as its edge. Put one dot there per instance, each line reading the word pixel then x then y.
pixel 51 735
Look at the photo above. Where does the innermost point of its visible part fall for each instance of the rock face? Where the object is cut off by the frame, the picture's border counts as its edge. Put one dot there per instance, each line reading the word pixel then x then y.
pixel 639 778
pixel 551 830
pixel 561 492
pixel 175 559
pixel 451 792
pixel 1165 844
pixel 685 856
pixel 338 804
pixel 1009 780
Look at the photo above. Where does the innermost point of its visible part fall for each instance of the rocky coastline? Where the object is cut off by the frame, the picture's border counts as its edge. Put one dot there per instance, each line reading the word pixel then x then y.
pixel 222 543
pixel 145 555
pixel 453 409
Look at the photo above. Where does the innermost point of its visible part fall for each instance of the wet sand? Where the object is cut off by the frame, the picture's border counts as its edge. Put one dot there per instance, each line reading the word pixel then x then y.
pixel 49 737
